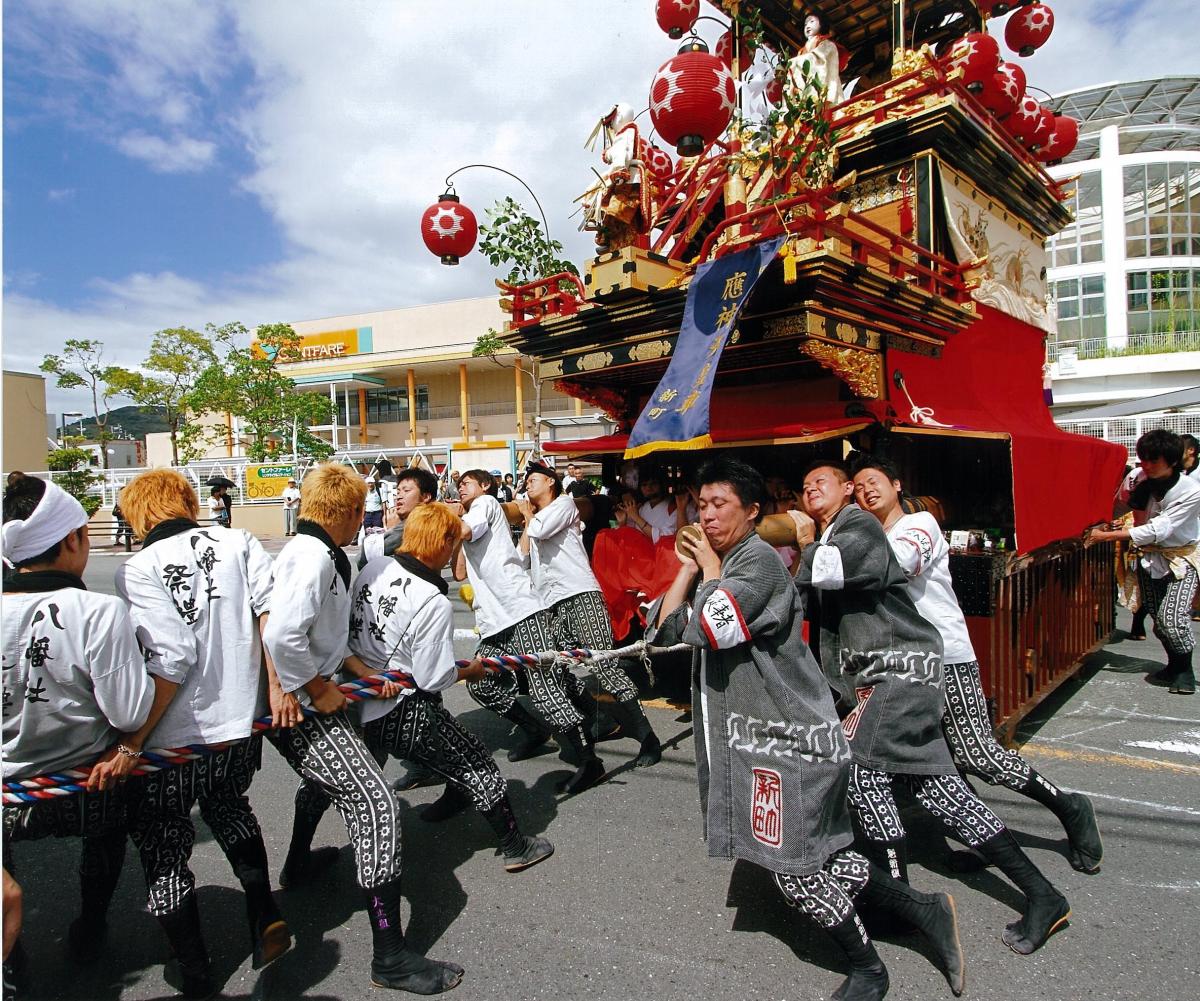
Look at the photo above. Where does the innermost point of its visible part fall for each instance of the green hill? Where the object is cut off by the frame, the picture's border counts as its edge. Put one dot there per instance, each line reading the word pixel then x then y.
pixel 135 422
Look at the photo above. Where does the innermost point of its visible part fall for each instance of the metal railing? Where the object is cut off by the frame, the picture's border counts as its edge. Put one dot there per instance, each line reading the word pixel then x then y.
pixel 1159 342
pixel 1126 431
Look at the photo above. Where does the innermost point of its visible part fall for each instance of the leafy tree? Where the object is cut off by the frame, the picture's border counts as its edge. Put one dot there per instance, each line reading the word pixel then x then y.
pixel 81 365
pixel 513 238
pixel 247 383
pixel 77 476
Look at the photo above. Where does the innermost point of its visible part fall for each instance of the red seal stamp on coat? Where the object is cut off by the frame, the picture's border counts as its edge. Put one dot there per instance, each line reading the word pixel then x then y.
pixel 766 808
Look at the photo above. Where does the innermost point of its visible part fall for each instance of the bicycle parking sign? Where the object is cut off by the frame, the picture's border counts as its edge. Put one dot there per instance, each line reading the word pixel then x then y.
pixel 264 482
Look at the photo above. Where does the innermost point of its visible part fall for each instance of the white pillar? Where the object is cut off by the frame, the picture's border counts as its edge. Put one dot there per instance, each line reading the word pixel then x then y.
pixel 334 419
pixel 1112 212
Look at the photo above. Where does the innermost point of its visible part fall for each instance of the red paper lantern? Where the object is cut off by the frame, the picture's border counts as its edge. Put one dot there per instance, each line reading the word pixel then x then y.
pixel 1028 29
pixel 1002 93
pixel 1062 141
pixel 658 161
pixel 746 52
pixel 977 55
pixel 449 228
pixel 692 99
pixel 676 16
pixel 1031 123
pixel 773 91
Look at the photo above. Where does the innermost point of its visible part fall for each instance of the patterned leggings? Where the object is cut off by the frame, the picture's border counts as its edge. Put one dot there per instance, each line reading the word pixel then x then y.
pixel 947 797
pixel 968 730
pixel 335 766
pixel 1169 602
pixel 827 896
pixel 582 621
pixel 420 729
pixel 547 686
pixel 163 832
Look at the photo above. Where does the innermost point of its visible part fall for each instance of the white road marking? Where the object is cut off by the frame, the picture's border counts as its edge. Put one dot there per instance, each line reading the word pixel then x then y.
pixel 1142 802
pixel 1189 744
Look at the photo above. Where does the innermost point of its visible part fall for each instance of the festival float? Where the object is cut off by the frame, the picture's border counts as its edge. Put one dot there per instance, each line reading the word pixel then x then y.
pixel 829 236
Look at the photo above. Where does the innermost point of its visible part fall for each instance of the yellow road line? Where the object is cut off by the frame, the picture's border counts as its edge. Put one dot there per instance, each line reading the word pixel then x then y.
pixel 1036 748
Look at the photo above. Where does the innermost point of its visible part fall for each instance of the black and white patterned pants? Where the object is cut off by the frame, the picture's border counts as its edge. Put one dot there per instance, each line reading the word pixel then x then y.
pixel 83 815
pixel 547 685
pixel 827 896
pixel 421 729
pixel 335 767
pixel 968 730
pixel 947 797
pixel 162 828
pixel 582 621
pixel 1169 601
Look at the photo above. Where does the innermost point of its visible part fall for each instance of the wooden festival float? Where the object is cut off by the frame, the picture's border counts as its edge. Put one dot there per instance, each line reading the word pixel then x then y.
pixel 904 310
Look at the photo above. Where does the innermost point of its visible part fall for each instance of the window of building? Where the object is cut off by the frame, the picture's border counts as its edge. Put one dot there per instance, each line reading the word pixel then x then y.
pixel 1162 209
pixel 1082 242
pixel 1164 301
pixel 1080 304
pixel 389 406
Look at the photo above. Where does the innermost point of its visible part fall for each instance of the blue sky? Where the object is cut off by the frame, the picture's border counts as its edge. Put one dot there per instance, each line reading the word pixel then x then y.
pixel 183 162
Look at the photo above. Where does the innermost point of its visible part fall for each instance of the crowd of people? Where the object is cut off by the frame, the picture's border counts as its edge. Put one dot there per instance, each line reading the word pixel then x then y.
pixel 827 674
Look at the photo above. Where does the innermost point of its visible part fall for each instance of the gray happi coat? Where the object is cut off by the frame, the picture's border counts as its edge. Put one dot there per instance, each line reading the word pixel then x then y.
pixel 876 649
pixel 771 759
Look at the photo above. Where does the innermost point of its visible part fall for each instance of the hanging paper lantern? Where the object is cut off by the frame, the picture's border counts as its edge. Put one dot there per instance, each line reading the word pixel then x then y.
pixel 1028 29
pixel 1002 92
pixel 1031 124
pixel 773 91
pixel 746 52
pixel 676 16
pixel 658 161
pixel 1000 9
pixel 1062 141
pixel 449 228
pixel 978 56
pixel 692 99
pixel 1042 131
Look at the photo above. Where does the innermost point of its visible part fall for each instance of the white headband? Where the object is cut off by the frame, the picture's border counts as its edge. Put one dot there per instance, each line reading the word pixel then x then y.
pixel 57 515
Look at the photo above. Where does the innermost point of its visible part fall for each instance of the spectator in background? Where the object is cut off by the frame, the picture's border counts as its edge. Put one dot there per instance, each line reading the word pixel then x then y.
pixel 218 506
pixel 655 516
pixel 1191 450
pixel 450 487
pixel 572 476
pixel 291 505
pixel 504 487
pixel 379 495
pixel 597 513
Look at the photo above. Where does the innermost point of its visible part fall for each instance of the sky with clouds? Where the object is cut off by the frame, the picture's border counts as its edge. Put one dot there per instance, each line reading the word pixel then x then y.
pixel 180 162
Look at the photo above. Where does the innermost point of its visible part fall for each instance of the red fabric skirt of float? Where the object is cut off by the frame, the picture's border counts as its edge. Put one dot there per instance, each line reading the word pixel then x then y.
pixel 631 570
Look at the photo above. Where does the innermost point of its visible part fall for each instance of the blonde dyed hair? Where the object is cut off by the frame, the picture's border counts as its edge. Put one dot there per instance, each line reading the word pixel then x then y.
pixel 428 529
pixel 330 492
pixel 155 496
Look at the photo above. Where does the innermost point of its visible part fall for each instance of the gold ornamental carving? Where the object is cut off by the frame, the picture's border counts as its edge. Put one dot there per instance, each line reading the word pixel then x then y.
pixel 597 359
pixel 649 350
pixel 861 370
pixel 552 369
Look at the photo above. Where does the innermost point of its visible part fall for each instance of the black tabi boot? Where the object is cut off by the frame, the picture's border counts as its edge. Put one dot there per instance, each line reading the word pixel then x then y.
pixel 101 858
pixel 634 723
pixel 182 928
pixel 1137 630
pixel 1074 811
pixel 596 721
pixel 413 777
pixel 534 733
pixel 578 751
pixel 449 804
pixel 1046 910
pixel 1184 682
pixel 394 964
pixel 868 980
pixel 891 857
pixel 520 851
pixel 269 935
pixel 303 864
pixel 932 914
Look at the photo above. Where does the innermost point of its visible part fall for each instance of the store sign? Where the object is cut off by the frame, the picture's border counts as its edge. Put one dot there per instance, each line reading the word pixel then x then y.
pixel 266 482
pixel 332 344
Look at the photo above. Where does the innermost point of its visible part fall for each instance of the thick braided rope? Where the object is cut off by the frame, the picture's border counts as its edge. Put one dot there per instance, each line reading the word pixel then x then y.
pixel 70 781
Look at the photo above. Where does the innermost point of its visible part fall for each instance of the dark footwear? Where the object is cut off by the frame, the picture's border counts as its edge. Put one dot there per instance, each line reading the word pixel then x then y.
pixel 650 752
pixel 1163 678
pixel 1074 811
pixel 536 850
pixel 393 964
pixel 298 872
pixel 868 980
pixel 1185 681
pixel 1041 920
pixel 590 773
pixel 192 986
pixel 534 733
pixel 963 862
pixel 188 971
pixel 634 723
pixel 1046 910
pixel 414 777
pixel 449 804
pixel 86 939
pixel 272 943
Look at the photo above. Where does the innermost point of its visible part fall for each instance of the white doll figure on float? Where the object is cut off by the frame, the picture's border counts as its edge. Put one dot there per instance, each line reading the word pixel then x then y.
pixel 823 59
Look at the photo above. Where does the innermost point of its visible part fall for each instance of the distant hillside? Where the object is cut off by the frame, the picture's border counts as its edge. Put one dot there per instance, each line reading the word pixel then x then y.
pixel 136 422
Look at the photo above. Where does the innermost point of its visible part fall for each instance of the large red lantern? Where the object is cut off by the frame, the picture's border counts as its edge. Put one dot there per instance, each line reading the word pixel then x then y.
pixel 977 55
pixel 1002 94
pixel 1062 141
pixel 449 228
pixel 676 16
pixel 746 51
pixel 692 99
pixel 1031 123
pixel 657 160
pixel 1029 28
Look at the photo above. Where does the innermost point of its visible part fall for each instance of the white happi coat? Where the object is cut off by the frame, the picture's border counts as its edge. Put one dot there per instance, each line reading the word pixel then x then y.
pixel 503 592
pixel 74 679
pixel 558 559
pixel 401 621
pixel 194 598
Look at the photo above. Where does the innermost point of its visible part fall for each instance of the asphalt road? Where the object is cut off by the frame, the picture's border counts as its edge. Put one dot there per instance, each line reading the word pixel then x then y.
pixel 631 907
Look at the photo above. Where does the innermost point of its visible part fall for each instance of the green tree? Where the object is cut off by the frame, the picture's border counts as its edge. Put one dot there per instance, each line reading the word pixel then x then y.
pixel 512 238
pixel 81 366
pixel 247 383
pixel 77 478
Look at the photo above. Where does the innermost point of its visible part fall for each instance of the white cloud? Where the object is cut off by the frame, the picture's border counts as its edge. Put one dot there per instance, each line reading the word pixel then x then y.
pixel 60 194
pixel 177 155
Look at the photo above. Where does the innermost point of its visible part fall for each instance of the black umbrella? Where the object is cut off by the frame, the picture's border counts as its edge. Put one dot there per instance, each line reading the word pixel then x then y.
pixel 219 481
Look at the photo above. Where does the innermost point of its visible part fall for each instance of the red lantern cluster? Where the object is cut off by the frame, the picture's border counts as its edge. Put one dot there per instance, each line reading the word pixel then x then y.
pixel 676 16
pixel 1002 94
pixel 449 228
pixel 1062 141
pixel 1031 124
pixel 692 99
pixel 746 52
pixel 1029 29
pixel 978 56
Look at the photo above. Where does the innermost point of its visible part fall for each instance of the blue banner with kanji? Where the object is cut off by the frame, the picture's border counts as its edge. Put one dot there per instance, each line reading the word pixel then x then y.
pixel 677 414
